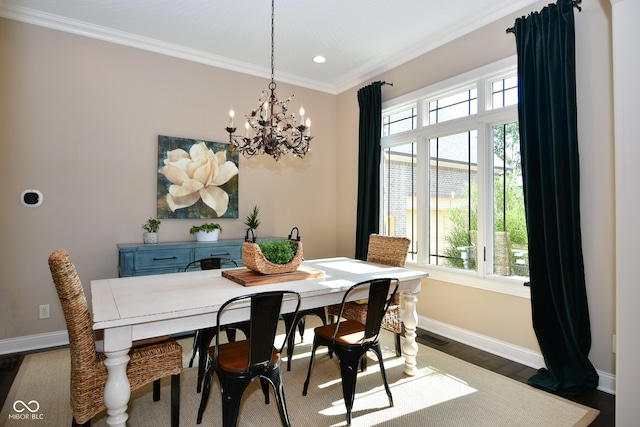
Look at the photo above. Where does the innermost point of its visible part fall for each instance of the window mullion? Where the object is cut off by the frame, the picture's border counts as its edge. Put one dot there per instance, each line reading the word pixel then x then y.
pixel 423 202
pixel 484 200
pixel 483 95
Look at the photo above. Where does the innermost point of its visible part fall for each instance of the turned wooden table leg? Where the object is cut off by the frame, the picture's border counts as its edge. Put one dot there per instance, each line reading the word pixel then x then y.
pixel 410 320
pixel 117 390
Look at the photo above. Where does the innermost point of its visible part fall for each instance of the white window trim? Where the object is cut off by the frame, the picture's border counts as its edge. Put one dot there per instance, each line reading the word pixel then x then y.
pixel 420 98
pixel 508 286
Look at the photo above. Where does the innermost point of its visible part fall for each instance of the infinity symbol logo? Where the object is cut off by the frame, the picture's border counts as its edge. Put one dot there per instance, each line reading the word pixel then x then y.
pixel 27 406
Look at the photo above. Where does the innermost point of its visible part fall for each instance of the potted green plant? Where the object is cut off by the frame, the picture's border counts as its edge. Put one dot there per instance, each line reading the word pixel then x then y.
pixel 150 235
pixel 252 221
pixel 208 232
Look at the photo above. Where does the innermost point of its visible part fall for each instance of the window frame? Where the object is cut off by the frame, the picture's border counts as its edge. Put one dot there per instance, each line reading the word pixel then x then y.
pixel 484 119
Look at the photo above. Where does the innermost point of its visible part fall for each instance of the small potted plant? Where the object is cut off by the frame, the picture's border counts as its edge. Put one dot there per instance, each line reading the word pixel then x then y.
pixel 150 235
pixel 274 257
pixel 208 232
pixel 252 221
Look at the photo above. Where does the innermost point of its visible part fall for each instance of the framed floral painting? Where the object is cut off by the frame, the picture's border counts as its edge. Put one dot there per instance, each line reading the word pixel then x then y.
pixel 196 179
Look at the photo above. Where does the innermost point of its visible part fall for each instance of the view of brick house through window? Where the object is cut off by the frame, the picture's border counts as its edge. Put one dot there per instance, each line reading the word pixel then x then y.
pixel 436 179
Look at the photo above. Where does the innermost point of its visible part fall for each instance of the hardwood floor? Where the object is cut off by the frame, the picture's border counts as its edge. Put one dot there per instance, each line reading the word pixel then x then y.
pixel 604 402
pixel 9 365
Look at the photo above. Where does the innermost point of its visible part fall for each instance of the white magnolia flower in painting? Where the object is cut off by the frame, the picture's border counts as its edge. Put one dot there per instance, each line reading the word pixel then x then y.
pixel 197 175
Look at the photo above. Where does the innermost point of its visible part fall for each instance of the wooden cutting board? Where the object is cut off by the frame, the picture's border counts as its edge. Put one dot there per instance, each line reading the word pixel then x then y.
pixel 247 277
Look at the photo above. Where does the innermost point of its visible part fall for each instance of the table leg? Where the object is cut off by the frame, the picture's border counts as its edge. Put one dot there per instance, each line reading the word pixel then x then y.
pixel 117 391
pixel 410 320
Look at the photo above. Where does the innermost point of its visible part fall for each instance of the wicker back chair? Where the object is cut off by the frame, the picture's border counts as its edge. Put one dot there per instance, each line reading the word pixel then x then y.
pixel 148 363
pixel 387 250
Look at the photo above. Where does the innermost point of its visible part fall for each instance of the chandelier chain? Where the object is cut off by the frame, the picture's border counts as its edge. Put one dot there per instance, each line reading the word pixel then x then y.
pixel 273 43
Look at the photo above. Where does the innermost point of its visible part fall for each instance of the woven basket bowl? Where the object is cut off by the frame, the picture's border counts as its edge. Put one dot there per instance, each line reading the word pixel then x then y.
pixel 254 259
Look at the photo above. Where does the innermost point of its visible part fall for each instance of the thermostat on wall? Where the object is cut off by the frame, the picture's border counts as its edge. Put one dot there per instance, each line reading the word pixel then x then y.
pixel 31 198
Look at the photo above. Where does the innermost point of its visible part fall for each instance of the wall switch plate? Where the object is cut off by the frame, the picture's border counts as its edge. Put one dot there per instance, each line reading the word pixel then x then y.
pixel 44 311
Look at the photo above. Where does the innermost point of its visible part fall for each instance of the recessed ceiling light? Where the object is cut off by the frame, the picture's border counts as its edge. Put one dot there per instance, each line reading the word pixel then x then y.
pixel 319 59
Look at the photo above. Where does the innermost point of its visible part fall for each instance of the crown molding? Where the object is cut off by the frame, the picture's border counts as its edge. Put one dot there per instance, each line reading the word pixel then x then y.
pixel 54 22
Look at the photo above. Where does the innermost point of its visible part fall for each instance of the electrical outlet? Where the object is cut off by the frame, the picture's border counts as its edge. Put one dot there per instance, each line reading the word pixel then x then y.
pixel 44 311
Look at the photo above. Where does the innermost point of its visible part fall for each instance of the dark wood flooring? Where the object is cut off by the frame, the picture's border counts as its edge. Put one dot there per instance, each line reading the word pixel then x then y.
pixel 604 402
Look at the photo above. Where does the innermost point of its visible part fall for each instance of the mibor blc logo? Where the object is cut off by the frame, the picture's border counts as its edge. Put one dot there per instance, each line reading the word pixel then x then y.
pixel 26 411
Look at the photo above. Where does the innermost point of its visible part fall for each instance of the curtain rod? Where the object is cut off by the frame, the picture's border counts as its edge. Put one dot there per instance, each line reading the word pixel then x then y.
pixel 386 83
pixel 576 4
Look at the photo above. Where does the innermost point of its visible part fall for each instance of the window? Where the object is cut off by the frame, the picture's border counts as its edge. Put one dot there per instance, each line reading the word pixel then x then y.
pixel 453 106
pixel 399 211
pixel 509 228
pixel 451 181
pixel 504 92
pixel 453 215
pixel 400 121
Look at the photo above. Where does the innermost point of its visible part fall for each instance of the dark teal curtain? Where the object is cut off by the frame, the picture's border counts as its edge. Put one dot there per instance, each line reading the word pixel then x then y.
pixel 370 102
pixel 549 148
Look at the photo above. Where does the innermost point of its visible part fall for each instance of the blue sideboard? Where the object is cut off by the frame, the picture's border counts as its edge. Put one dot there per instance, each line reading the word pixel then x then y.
pixel 137 259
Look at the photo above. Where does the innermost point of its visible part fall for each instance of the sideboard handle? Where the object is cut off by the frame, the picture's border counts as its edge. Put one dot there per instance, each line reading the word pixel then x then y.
pixel 217 255
pixel 164 259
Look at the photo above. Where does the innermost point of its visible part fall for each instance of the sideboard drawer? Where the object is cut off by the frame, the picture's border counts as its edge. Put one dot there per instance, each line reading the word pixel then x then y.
pixel 224 251
pixel 179 257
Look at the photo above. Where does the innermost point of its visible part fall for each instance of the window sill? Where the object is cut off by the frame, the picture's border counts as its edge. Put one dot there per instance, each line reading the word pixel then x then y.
pixel 506 286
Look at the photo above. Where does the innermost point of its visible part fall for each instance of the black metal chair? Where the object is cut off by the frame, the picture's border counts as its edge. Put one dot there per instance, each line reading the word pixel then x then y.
pixel 239 363
pixel 203 337
pixel 387 250
pixel 213 263
pixel 299 321
pixel 350 340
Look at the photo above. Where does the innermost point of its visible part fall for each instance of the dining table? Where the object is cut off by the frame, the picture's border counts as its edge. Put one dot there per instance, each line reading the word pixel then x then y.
pixel 127 309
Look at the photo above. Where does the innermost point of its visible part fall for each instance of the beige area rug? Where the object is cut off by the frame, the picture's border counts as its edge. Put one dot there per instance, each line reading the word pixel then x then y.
pixel 446 392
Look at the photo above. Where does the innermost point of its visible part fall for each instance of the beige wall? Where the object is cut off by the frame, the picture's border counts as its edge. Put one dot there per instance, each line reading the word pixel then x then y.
pixel 79 121
pixel 495 315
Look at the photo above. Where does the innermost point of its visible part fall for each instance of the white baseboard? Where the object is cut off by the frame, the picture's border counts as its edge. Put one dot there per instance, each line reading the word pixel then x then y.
pixel 34 342
pixel 524 356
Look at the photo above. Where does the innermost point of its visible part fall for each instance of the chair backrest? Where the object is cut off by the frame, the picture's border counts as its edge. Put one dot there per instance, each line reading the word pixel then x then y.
pixel 265 309
pixel 378 302
pixel 388 250
pixel 82 345
pixel 214 263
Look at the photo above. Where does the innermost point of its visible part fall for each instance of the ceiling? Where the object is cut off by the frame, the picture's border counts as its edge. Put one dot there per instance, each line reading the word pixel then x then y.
pixel 360 38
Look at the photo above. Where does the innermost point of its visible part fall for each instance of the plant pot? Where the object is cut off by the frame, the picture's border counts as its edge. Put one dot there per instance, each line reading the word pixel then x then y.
pixel 255 232
pixel 254 259
pixel 150 238
pixel 203 236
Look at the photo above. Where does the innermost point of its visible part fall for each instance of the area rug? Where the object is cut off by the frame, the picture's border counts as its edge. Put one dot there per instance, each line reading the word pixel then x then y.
pixel 445 392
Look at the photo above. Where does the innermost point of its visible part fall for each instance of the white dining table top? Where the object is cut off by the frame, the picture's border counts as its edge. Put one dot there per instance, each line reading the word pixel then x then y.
pixel 132 308
pixel 142 299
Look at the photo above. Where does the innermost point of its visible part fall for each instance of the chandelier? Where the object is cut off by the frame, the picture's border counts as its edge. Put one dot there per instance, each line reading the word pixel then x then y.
pixel 270 128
